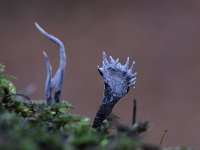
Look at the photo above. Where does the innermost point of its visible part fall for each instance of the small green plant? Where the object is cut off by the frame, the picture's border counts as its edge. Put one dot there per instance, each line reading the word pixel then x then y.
pixel 6 86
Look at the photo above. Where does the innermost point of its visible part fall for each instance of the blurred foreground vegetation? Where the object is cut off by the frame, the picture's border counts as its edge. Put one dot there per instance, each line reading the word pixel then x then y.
pixel 29 125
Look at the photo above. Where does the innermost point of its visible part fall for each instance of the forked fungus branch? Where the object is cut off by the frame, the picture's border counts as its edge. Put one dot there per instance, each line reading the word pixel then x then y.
pixel 54 83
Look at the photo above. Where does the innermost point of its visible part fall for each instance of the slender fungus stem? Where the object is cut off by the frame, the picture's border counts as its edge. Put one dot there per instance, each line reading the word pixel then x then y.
pixel 162 138
pixel 134 111
pixel 54 83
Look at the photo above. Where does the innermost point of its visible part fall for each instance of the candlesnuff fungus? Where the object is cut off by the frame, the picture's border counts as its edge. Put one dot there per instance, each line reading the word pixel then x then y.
pixel 54 83
pixel 118 79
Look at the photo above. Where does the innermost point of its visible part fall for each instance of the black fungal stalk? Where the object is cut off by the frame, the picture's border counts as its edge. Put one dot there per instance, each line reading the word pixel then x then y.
pixel 54 83
pixel 118 79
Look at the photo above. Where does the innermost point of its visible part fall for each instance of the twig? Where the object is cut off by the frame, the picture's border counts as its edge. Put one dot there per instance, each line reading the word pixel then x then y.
pixel 162 138
pixel 134 111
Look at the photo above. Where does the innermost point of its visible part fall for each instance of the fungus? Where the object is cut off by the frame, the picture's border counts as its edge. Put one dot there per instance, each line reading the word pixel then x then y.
pixel 117 79
pixel 54 83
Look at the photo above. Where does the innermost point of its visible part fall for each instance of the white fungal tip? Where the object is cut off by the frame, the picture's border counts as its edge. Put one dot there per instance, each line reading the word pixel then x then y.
pixel 127 62
pixel 111 59
pixel 133 83
pixel 132 65
pixel 133 79
pixel 117 60
pixel 105 59
pixel 37 25
pixel 44 53
pixel 40 28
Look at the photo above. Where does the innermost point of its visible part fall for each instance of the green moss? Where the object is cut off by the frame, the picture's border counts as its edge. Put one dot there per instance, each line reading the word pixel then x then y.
pixel 82 134
pixel 125 142
pixel 34 125
pixel 5 84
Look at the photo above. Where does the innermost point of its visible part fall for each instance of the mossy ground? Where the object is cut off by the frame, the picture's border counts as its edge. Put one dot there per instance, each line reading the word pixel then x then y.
pixel 30 125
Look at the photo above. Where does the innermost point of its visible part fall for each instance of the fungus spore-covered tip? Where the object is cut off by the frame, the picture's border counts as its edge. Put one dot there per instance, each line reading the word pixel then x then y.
pixel 117 79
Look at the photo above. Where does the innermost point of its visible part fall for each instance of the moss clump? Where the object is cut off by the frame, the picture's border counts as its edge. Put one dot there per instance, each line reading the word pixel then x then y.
pixel 6 86
pixel 32 125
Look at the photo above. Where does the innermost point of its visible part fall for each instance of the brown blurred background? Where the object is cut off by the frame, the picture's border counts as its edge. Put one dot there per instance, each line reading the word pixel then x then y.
pixel 163 37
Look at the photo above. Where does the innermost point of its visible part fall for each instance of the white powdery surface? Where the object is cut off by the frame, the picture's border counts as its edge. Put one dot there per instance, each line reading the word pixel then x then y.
pixel 119 77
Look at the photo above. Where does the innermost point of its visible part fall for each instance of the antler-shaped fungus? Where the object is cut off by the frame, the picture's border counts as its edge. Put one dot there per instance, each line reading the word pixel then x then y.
pixel 55 83
pixel 118 79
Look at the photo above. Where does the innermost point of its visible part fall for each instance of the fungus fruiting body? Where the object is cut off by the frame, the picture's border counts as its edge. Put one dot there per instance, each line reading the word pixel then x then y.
pixel 117 79
pixel 54 83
